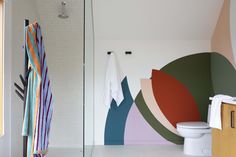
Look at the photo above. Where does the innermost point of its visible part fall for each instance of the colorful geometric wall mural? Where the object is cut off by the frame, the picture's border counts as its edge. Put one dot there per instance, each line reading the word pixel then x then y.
pixel 138 131
pixel 177 92
pixel 154 123
pixel 149 98
pixel 223 75
pixel 194 72
pixel 116 118
pixel 173 98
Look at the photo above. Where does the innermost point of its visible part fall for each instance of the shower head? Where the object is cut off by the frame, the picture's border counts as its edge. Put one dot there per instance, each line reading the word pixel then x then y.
pixel 63 14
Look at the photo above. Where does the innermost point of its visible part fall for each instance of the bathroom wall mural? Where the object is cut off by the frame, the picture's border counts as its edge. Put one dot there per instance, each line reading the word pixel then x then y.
pixel 194 72
pixel 223 75
pixel 138 130
pixel 173 98
pixel 233 26
pixel 116 117
pixel 177 92
pixel 223 38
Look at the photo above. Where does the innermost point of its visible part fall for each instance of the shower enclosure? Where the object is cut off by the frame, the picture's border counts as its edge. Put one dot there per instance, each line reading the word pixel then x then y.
pixel 88 120
pixel 67 28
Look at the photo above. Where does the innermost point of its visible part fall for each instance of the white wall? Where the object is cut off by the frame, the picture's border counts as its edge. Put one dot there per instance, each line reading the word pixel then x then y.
pixel 16 12
pixel 156 19
pixel 23 9
pixel 63 39
pixel 64 48
pixel 147 55
pixel 156 31
pixel 5 141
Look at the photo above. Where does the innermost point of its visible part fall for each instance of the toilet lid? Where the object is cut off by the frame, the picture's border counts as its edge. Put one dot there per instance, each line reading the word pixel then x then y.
pixel 193 125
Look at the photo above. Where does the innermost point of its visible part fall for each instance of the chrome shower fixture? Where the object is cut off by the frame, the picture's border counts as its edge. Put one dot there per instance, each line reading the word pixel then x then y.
pixel 63 14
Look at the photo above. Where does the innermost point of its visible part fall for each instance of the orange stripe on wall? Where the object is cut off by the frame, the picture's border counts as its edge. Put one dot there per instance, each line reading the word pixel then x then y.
pixel 221 39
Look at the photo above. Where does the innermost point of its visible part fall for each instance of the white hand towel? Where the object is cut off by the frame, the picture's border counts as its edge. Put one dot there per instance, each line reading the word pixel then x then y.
pixel 113 88
pixel 215 114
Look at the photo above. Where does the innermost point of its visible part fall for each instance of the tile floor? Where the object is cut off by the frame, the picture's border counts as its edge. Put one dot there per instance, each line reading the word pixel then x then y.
pixel 122 151
pixel 139 151
pixel 65 152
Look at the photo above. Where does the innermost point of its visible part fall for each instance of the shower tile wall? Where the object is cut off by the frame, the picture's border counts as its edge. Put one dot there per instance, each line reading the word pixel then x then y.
pixel 64 47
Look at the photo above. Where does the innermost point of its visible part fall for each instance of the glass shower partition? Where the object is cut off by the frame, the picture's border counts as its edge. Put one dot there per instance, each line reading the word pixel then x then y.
pixel 88 137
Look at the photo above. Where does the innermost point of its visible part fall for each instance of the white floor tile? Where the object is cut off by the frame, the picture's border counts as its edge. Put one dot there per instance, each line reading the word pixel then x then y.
pixel 65 152
pixel 139 151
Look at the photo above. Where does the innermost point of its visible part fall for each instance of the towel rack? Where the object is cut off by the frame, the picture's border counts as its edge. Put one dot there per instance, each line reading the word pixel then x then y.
pixel 21 92
pixel 26 73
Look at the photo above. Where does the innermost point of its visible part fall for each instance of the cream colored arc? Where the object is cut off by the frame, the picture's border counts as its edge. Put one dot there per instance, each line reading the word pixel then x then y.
pixel 146 87
pixel 233 26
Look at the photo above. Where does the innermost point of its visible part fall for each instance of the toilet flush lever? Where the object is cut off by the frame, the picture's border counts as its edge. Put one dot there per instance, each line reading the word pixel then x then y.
pixel 232 116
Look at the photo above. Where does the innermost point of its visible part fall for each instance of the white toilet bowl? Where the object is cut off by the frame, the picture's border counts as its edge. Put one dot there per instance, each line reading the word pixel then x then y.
pixel 197 138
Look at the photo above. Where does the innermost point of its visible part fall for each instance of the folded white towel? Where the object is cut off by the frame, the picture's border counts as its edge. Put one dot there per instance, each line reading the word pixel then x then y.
pixel 113 88
pixel 215 114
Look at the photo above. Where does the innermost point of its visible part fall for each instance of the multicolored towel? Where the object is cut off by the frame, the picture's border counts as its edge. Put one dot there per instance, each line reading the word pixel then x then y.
pixel 39 108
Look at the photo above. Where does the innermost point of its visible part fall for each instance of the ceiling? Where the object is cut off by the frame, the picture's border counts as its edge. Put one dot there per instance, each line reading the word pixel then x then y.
pixel 138 19
pixel 155 19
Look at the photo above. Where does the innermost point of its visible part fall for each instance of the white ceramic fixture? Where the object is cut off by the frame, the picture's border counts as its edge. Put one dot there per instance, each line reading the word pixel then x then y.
pixel 197 137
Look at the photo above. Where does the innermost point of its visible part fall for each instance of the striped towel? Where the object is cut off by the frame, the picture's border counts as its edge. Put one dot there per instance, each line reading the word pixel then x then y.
pixel 39 108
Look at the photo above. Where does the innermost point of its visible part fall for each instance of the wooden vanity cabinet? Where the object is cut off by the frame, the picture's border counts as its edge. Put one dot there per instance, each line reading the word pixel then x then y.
pixel 224 141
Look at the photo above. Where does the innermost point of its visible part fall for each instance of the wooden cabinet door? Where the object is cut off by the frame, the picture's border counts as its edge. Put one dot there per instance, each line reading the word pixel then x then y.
pixel 224 141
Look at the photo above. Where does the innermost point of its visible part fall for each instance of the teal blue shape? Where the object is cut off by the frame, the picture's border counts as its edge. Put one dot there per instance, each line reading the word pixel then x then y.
pixel 116 118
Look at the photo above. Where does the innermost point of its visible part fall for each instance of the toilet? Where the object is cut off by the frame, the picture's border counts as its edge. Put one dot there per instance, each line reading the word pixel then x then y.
pixel 197 137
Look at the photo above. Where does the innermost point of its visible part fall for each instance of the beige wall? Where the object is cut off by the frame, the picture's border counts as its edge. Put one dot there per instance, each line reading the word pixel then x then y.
pixel 221 39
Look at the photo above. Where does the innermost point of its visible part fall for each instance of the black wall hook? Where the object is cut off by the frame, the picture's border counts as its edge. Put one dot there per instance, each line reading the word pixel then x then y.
pixel 19 88
pixel 128 52
pixel 23 80
pixel 109 52
pixel 19 95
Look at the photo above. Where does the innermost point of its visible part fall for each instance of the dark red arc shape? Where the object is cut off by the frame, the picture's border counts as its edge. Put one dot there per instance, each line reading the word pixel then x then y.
pixel 174 99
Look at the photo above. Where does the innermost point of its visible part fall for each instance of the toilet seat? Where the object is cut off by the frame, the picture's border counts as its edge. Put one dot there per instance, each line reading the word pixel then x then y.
pixel 187 128
pixel 193 131
pixel 193 125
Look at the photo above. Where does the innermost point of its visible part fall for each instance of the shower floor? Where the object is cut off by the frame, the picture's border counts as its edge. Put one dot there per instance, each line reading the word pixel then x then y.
pixel 65 152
